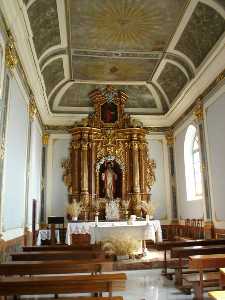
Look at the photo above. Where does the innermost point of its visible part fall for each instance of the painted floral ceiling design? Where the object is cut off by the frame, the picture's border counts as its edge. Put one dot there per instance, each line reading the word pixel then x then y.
pixel 151 49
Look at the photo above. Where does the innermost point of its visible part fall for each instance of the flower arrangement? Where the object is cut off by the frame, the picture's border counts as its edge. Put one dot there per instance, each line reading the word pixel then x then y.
pixel 121 247
pixel 74 209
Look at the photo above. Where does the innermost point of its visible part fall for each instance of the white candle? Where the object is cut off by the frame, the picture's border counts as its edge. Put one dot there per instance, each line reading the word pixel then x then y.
pixel 96 220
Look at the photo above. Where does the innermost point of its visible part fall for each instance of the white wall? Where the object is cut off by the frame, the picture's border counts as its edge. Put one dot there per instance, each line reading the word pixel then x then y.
pixel 160 190
pixel 35 174
pixel 186 209
pixel 57 193
pixel 14 176
pixel 215 129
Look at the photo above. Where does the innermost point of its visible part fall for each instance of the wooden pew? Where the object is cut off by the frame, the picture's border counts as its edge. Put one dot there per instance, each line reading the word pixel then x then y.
pixel 184 252
pixel 168 245
pixel 201 263
pixel 22 268
pixel 37 285
pixel 217 295
pixel 222 277
pixel 59 248
pixel 94 298
pixel 58 255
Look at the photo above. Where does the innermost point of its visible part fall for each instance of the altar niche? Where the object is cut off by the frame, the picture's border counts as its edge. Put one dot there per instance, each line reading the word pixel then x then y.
pixel 110 180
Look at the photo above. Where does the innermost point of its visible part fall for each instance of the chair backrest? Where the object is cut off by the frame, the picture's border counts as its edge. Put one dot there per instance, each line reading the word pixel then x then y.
pixel 81 239
pixel 53 222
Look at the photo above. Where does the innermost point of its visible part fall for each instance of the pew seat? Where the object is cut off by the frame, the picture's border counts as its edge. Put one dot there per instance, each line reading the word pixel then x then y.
pixel 57 255
pixel 92 298
pixel 217 295
pixel 53 267
pixel 42 285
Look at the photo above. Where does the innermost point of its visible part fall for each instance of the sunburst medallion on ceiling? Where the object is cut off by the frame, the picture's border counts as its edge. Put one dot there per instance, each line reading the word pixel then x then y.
pixel 123 24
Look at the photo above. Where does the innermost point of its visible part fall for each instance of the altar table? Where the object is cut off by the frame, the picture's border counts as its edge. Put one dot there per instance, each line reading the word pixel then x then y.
pixel 139 230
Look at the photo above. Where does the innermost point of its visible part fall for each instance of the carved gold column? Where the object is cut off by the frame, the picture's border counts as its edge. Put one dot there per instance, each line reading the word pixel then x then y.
pixel 84 171
pixel 136 177
pixel 75 165
pixel 142 168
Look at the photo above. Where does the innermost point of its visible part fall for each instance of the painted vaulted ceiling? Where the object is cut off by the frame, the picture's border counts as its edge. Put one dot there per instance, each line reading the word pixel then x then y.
pixel 151 49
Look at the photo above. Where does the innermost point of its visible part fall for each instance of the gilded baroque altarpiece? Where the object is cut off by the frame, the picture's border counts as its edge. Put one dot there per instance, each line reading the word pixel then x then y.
pixel 108 139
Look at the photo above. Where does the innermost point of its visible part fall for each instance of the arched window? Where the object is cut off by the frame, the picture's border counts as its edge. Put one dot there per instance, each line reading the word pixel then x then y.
pixel 192 162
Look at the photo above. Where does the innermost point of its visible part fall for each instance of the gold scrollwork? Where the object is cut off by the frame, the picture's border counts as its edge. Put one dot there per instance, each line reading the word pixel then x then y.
pixel 32 108
pixel 198 110
pixel 150 172
pixel 170 137
pixel 10 53
pixel 45 139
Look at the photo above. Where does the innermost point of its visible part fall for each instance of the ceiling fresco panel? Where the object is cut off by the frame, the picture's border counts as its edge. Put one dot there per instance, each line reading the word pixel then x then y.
pixel 139 96
pixel 44 23
pixel 124 25
pixel 126 69
pixel 201 33
pixel 53 73
pixel 172 80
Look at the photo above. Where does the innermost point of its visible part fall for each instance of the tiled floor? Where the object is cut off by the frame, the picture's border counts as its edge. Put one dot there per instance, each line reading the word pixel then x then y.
pixel 150 285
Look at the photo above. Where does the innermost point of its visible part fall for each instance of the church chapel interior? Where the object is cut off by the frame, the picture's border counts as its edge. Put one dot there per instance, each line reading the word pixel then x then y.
pixel 112 149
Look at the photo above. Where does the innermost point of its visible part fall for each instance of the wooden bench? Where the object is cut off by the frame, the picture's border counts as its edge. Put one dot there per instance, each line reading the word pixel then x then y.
pixel 168 245
pixel 58 255
pixel 93 298
pixel 184 252
pixel 217 295
pixel 201 263
pixel 37 285
pixel 198 282
pixel 59 248
pixel 222 277
pixel 53 267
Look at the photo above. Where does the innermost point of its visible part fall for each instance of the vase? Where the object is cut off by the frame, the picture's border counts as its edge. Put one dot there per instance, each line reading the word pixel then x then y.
pixel 74 218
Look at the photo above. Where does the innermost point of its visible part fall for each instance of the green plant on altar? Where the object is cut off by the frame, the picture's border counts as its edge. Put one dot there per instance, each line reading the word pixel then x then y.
pixel 74 209
pixel 120 247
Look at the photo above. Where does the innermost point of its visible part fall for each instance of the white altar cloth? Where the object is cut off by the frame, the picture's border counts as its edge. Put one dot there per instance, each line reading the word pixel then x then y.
pixel 139 230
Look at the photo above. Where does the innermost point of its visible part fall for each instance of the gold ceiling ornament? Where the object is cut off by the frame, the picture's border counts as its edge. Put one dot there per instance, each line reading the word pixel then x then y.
pixel 198 110
pixel 10 52
pixel 45 138
pixel 32 108
pixel 170 137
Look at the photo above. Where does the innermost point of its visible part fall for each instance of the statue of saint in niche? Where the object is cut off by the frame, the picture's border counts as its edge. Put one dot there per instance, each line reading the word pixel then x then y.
pixel 110 175
pixel 109 113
